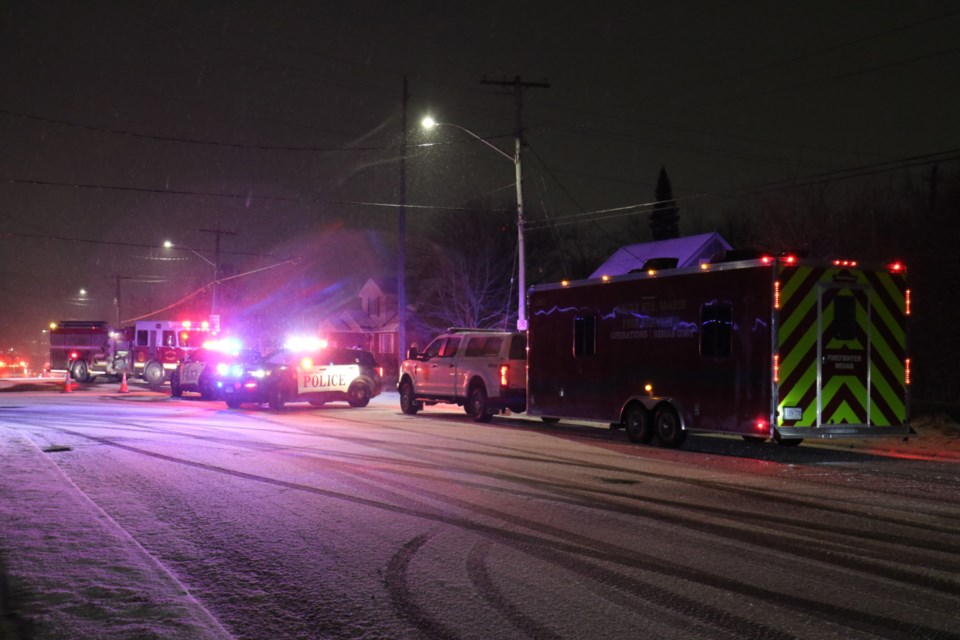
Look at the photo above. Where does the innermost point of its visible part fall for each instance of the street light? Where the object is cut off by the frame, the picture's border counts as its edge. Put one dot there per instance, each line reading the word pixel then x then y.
pixel 429 123
pixel 216 271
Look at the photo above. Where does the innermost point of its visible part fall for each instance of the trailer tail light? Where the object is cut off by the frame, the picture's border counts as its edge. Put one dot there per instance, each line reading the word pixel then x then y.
pixel 845 263
pixel 791 260
pixel 761 425
pixel 906 301
pixel 897 267
pixel 906 372
pixel 504 375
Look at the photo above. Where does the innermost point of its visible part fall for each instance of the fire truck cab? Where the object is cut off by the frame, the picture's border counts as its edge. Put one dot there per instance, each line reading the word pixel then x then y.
pixel 160 345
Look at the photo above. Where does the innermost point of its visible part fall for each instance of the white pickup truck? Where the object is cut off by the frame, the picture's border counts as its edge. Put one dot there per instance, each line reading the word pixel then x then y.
pixel 483 371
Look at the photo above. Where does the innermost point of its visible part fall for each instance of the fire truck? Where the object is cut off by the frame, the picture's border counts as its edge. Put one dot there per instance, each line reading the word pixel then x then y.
pixel 769 347
pixel 158 346
pixel 150 349
pixel 89 348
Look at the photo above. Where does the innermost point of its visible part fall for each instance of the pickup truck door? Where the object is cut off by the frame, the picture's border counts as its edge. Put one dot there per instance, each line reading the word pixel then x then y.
pixel 436 370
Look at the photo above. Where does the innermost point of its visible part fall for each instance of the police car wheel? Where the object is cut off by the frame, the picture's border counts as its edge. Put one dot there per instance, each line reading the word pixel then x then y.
pixel 358 395
pixel 408 403
pixel 276 400
pixel 478 404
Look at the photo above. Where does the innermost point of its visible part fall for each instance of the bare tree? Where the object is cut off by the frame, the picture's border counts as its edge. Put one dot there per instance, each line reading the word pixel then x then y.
pixel 467 270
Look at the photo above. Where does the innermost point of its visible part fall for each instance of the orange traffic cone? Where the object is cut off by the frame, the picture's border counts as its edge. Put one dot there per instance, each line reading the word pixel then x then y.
pixel 67 384
pixel 123 384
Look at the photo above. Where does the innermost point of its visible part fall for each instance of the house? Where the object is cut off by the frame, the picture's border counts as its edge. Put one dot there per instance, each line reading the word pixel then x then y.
pixel 370 321
pixel 689 251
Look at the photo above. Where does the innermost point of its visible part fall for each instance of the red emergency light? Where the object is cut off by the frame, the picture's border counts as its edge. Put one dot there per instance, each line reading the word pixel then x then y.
pixel 897 267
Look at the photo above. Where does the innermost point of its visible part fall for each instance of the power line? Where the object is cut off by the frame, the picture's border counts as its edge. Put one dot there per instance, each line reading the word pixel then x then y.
pixel 806 181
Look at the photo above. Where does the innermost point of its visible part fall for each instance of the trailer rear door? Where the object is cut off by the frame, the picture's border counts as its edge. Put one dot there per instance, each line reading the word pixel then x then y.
pixel 842 351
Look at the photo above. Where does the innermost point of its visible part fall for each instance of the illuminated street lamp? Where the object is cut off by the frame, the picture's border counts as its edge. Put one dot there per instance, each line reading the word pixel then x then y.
pixel 429 123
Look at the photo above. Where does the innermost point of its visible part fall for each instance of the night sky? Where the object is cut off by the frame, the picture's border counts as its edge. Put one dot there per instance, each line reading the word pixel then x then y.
pixel 124 124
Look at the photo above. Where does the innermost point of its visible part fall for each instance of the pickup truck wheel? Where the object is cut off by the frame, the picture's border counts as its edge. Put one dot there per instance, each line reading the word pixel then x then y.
pixel 153 374
pixel 79 371
pixel 358 395
pixel 668 428
pixel 408 402
pixel 638 424
pixel 477 404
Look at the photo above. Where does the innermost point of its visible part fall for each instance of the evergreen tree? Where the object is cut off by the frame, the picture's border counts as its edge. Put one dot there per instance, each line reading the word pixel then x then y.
pixel 665 217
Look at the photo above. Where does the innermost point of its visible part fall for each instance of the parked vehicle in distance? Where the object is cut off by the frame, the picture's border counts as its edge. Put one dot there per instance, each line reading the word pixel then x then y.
pixel 198 372
pixel 317 376
pixel 484 371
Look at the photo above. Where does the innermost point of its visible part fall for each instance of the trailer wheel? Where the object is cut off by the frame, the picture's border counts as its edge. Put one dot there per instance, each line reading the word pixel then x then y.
pixel 477 403
pixel 153 374
pixel 408 402
pixel 79 371
pixel 638 424
pixel 786 442
pixel 669 432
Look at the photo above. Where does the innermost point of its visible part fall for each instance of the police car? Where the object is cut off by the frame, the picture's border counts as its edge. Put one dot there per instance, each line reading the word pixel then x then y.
pixel 193 374
pixel 316 376
pixel 197 373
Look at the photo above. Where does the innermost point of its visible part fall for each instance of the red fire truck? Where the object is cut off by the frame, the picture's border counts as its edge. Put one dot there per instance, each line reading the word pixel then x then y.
pixel 89 348
pixel 150 349
pixel 158 346
pixel 777 348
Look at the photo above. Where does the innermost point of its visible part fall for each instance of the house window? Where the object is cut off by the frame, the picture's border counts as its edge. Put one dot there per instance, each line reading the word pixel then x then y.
pixel 373 306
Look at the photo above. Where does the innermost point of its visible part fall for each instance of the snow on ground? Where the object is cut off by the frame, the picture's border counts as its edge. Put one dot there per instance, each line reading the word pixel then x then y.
pixel 97 582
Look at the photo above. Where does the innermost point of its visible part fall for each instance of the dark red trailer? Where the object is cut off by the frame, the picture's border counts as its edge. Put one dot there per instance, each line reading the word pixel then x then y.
pixel 766 348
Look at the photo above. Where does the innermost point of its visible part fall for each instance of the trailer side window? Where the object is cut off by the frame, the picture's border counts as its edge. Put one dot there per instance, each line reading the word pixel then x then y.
pixel 584 336
pixel 716 330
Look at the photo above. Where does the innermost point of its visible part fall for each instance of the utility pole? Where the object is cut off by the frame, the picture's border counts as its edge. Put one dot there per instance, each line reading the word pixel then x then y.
pixel 118 278
pixel 518 87
pixel 215 302
pixel 402 233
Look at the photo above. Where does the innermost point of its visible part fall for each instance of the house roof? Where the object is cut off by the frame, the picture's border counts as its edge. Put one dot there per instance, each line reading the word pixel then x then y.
pixel 688 251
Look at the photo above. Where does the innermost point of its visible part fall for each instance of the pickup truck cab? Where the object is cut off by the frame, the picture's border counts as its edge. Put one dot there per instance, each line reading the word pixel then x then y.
pixel 483 371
